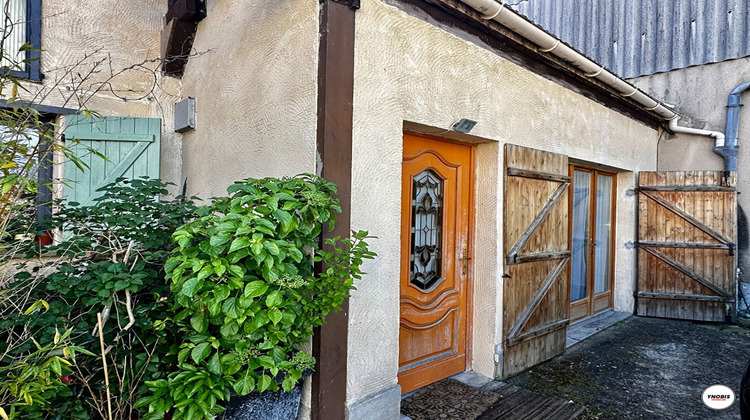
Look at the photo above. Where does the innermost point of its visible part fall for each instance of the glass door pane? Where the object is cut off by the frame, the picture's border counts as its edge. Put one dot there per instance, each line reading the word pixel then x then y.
pixel 603 229
pixel 579 258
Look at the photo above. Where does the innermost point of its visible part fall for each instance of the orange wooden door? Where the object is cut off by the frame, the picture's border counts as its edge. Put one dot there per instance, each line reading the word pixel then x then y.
pixel 435 222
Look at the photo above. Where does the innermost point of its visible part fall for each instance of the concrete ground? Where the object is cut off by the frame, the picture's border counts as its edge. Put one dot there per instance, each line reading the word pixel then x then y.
pixel 646 368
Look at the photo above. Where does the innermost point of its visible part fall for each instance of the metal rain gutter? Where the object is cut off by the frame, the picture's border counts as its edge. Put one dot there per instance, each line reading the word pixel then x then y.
pixel 730 148
pixel 548 43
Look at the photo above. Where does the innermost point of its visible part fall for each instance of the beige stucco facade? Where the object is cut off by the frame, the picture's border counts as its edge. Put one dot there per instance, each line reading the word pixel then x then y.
pixel 413 74
pixel 255 85
pixel 254 78
pixel 700 94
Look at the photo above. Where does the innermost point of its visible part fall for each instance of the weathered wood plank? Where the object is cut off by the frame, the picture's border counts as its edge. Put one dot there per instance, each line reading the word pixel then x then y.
pixel 569 411
pixel 523 411
pixel 536 332
pixel 681 283
pixel 692 220
pixel 536 299
pixel 556 196
pixel 685 188
pixel 690 273
pixel 500 408
pixel 683 296
pixel 538 175
pixel 540 256
pixel 549 410
pixel 701 245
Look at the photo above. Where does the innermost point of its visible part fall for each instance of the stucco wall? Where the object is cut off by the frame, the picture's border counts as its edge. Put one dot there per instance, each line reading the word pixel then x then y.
pixel 410 71
pixel 255 85
pixel 700 94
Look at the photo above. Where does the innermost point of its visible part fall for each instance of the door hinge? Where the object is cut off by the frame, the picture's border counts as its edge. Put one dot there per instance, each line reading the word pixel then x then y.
pixel 465 261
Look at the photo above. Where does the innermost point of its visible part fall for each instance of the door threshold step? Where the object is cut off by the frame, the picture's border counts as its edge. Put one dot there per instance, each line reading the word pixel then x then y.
pixel 586 328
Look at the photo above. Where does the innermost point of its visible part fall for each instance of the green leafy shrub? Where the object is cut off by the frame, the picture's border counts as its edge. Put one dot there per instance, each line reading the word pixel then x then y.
pixel 111 262
pixel 246 296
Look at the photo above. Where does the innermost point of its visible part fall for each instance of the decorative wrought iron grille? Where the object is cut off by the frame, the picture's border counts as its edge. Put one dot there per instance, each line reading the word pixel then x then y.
pixel 426 230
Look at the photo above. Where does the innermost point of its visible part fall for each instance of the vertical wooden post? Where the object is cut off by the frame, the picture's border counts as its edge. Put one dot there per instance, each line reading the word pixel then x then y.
pixel 334 142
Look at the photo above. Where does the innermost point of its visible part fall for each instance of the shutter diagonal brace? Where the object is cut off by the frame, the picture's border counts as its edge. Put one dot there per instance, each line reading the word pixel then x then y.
pixel 513 257
pixel 690 219
pixel 121 167
pixel 514 335
pixel 686 271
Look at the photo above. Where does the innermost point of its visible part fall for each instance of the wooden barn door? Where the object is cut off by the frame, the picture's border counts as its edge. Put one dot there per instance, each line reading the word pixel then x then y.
pixel 537 256
pixel 687 235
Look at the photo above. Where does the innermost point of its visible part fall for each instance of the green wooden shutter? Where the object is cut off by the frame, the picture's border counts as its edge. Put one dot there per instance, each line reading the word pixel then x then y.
pixel 130 144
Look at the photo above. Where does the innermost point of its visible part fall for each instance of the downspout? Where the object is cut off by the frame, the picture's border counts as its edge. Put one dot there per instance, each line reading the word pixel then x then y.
pixel 730 149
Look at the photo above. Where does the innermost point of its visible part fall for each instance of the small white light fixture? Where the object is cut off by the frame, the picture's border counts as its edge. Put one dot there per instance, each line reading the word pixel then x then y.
pixel 464 125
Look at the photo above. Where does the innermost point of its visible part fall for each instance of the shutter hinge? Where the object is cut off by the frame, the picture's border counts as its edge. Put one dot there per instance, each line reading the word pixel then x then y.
pixel 731 249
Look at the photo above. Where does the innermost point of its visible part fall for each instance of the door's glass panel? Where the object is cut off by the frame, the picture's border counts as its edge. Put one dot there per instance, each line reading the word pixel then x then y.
pixel 579 258
pixel 603 240
pixel 426 230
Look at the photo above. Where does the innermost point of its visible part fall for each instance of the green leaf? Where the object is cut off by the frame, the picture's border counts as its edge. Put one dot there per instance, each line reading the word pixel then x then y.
pixel 230 307
pixel 221 292
pixel 272 248
pixel 229 329
pixel 239 243
pixel 274 299
pixel 121 285
pixel 243 230
pixel 188 289
pixel 214 365
pixel 255 288
pixel 199 322
pixel 245 384
pixel 275 316
pixel 236 270
pixel 264 382
pixel 205 272
pixel 286 220
pixel 183 355
pixel 288 317
pixel 288 384
pixel 220 239
pixel 295 253
pixel 200 352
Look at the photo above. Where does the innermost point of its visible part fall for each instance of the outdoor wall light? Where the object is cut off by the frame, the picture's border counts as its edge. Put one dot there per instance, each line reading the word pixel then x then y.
pixel 184 115
pixel 464 125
